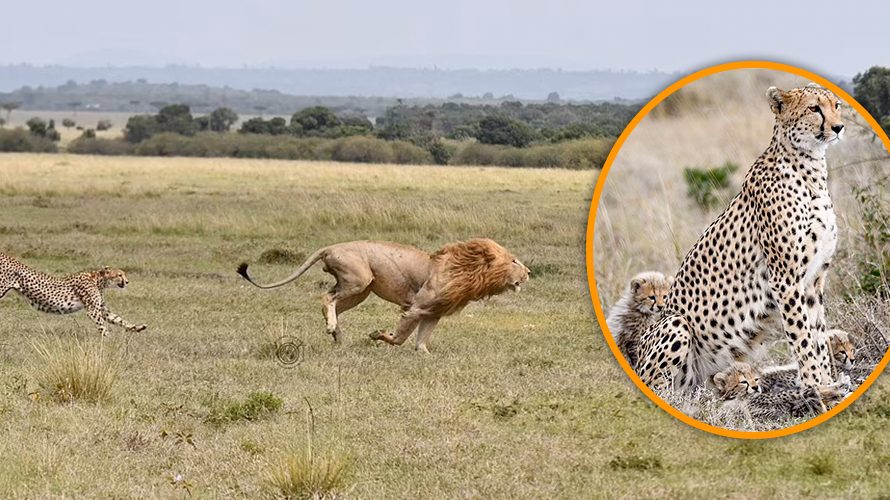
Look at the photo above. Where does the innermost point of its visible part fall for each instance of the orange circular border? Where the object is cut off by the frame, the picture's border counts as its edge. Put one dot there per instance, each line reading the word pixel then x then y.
pixel 591 219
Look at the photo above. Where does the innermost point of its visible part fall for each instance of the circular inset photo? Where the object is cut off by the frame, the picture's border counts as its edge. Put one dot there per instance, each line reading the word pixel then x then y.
pixel 737 249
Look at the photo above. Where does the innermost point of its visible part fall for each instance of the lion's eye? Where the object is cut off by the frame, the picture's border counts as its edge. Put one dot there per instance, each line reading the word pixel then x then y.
pixel 814 109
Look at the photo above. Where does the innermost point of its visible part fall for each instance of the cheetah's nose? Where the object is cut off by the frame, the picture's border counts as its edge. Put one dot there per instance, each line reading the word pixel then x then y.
pixel 837 128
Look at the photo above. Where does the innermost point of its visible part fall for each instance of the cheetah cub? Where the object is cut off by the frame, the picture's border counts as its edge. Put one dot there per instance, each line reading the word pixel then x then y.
pixel 638 309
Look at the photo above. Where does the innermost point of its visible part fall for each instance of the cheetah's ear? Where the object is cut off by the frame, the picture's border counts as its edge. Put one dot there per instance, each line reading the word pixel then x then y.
pixel 720 380
pixel 635 284
pixel 776 99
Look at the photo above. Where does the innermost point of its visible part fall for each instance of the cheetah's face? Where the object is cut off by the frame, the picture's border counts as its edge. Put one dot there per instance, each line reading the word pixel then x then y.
pixel 739 380
pixel 650 292
pixel 109 277
pixel 810 116
pixel 843 349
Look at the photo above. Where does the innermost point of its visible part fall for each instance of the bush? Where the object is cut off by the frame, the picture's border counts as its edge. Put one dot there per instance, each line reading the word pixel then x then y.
pixel 362 149
pixel 19 140
pixel 103 125
pixel 257 405
pixel 583 154
pixel 505 131
pixel 68 371
pixel 408 154
pixel 89 144
pixel 703 184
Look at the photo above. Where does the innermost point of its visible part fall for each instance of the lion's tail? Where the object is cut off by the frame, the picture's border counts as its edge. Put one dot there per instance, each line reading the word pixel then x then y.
pixel 242 270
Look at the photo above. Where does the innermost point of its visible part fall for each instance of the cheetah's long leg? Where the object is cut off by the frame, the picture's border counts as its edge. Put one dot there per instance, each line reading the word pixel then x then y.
pixel 816 312
pixel 664 353
pixel 98 316
pixel 114 319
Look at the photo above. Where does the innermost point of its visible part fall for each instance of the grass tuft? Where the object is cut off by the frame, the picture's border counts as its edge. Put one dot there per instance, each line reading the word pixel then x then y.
pixel 304 475
pixel 67 371
pixel 636 462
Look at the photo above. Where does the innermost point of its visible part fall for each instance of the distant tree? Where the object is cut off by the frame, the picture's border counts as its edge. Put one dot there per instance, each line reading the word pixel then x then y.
pixel 9 107
pixel 872 90
pixel 315 119
pixel 553 97
pixel 254 125
pixel 140 127
pixel 277 126
pixel 504 130
pixel 68 123
pixel 135 103
pixel 157 104
pixel 89 134
pixel 222 119
pixel 37 126
pixel 202 123
pixel 51 132
pixel 488 96
pixel 176 118
pixel 103 125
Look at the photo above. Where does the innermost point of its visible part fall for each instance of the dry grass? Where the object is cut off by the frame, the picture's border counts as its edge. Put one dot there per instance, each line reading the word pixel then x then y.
pixel 521 397
pixel 311 476
pixel 722 119
pixel 72 370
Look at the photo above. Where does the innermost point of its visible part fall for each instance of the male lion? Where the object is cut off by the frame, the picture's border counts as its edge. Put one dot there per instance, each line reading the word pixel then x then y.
pixel 426 286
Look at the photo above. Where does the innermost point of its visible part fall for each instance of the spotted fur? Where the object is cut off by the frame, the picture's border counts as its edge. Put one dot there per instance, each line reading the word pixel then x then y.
pixel 67 294
pixel 764 257
pixel 638 309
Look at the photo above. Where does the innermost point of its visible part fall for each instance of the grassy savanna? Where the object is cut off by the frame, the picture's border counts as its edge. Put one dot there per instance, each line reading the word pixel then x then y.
pixel 85 119
pixel 520 398
pixel 725 119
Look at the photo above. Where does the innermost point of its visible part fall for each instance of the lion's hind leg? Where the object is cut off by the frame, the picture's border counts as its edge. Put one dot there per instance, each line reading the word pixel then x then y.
pixel 339 300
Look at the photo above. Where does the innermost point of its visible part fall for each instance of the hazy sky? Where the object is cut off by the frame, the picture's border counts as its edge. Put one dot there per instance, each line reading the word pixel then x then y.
pixel 827 36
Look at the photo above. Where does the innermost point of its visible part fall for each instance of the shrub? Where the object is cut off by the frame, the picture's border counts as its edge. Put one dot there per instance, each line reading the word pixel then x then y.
pixel 68 122
pixel 103 125
pixel 19 140
pixel 69 371
pixel 505 131
pixel 89 144
pixel 703 184
pixel 257 405
pixel 362 150
pixel 408 154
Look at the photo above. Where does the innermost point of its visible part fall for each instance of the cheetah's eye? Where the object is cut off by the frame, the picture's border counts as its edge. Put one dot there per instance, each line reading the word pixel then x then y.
pixel 837 105
pixel 652 297
pixel 814 109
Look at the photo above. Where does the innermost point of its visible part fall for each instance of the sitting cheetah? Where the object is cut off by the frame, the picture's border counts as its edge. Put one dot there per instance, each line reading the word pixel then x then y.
pixel 637 311
pixel 67 294
pixel 766 255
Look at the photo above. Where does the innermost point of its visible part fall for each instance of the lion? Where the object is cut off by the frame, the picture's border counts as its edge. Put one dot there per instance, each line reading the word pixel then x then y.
pixel 425 286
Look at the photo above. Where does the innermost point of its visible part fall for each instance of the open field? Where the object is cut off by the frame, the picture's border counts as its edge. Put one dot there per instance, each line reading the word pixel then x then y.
pixel 726 118
pixel 520 398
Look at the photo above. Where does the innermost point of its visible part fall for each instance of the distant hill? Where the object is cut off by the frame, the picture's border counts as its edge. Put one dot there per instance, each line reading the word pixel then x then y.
pixel 524 84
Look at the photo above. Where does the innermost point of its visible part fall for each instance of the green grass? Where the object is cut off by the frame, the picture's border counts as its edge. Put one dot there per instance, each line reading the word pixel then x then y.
pixel 520 397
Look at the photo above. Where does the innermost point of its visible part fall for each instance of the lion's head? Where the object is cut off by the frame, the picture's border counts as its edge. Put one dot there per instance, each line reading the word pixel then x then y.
pixel 473 270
